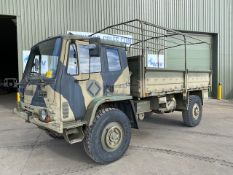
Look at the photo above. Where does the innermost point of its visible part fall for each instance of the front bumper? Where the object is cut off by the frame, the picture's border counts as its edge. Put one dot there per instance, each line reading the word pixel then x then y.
pixel 33 118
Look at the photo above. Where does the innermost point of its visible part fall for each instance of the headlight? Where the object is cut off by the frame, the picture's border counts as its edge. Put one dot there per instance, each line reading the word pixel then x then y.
pixel 43 115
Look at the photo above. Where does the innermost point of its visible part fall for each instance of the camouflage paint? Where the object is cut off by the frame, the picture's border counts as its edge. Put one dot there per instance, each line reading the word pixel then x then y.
pixel 73 90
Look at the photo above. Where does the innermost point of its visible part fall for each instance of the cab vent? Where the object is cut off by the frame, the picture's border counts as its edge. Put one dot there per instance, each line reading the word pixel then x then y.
pixel 65 109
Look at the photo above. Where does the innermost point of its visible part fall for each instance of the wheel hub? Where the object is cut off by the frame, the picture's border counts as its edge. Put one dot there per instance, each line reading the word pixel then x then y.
pixel 196 111
pixel 112 136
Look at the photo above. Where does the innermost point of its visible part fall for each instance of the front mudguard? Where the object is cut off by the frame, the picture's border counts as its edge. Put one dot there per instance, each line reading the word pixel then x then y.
pixel 94 105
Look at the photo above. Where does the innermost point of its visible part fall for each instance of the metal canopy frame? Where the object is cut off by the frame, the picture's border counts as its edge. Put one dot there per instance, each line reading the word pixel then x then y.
pixel 149 37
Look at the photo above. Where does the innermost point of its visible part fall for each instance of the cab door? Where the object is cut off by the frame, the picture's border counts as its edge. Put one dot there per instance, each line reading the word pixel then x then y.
pixel 81 81
pixel 116 75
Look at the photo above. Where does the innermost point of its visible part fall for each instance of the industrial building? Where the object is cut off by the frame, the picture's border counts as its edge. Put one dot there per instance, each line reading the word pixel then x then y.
pixel 25 22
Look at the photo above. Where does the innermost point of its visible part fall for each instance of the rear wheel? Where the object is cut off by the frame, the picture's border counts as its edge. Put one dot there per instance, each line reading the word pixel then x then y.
pixel 193 115
pixel 109 137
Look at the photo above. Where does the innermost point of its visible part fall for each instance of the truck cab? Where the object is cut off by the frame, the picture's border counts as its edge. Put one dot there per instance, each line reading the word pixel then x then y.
pixel 64 74
pixel 67 78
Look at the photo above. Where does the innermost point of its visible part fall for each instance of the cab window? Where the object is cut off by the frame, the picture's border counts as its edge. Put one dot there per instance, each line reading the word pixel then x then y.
pixel 45 57
pixel 84 61
pixel 113 59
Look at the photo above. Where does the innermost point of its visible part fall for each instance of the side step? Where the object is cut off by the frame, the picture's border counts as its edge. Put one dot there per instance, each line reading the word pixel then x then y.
pixel 73 135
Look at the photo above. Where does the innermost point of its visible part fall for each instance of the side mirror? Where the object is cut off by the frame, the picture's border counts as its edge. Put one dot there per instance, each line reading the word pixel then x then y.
pixel 94 51
pixel 37 64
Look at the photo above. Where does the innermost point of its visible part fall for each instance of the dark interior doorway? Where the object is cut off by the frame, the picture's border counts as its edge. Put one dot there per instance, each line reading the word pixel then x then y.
pixel 8 54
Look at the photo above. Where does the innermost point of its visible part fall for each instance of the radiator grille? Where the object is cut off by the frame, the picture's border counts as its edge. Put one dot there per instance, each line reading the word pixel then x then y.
pixel 65 109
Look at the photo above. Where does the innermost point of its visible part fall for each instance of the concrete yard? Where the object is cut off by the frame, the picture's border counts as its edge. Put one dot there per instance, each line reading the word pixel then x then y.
pixel 162 145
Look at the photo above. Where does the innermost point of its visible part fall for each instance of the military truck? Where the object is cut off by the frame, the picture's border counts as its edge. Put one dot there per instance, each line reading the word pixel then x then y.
pixel 94 90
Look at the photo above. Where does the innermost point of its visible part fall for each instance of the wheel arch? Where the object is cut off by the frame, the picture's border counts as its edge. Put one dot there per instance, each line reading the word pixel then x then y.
pixel 182 103
pixel 124 103
pixel 197 93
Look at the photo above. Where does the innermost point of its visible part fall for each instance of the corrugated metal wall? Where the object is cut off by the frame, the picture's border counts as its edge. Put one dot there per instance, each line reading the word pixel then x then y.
pixel 39 19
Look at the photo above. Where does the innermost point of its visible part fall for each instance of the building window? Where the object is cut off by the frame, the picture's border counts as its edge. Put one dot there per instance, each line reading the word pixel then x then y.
pixel 113 59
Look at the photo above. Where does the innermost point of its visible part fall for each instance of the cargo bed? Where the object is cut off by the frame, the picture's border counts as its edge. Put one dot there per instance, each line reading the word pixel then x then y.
pixel 158 82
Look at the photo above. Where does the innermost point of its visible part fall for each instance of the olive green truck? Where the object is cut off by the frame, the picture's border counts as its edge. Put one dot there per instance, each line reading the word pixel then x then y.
pixel 94 90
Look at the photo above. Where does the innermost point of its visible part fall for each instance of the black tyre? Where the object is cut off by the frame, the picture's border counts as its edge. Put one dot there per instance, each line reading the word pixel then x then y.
pixel 54 134
pixel 109 137
pixel 193 115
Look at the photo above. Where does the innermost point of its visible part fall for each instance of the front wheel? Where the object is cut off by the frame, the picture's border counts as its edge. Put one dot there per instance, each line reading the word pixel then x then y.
pixel 193 115
pixel 109 137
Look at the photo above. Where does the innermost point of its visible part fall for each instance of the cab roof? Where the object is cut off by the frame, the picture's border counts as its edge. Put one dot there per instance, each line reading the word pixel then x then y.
pixel 92 40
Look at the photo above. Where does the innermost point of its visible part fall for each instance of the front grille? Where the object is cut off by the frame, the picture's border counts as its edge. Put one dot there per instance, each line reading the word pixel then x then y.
pixel 42 94
pixel 65 109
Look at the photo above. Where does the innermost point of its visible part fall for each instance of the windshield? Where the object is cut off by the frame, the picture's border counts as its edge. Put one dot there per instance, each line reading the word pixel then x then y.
pixel 44 58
